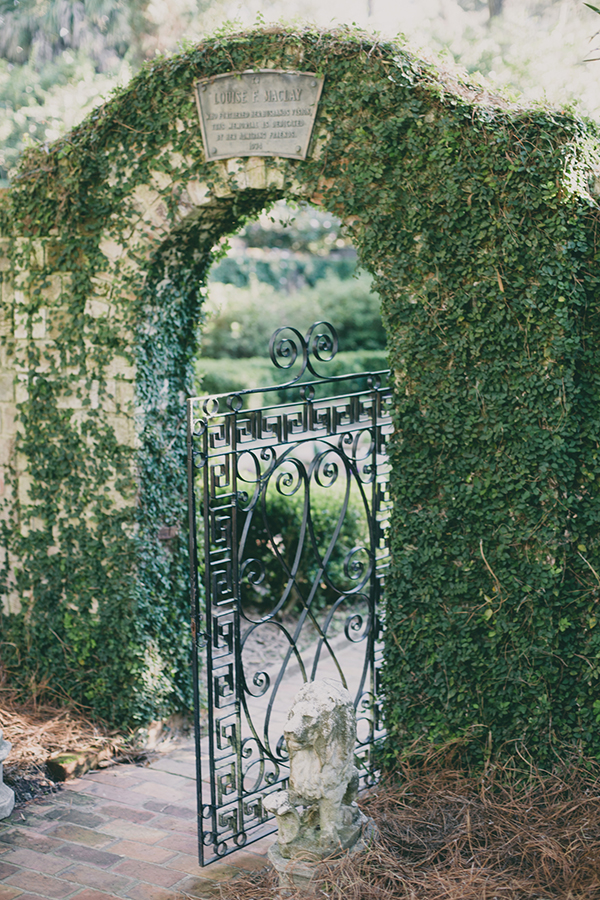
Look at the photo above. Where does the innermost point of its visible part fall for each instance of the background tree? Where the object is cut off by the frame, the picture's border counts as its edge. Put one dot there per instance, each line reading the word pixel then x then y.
pixel 60 58
pixel 39 32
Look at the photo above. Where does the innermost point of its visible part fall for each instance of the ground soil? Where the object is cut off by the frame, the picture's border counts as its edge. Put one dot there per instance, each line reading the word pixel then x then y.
pixel 447 835
pixel 39 730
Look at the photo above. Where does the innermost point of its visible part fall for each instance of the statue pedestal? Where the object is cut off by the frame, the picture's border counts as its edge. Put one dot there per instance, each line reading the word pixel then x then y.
pixel 300 874
pixel 294 874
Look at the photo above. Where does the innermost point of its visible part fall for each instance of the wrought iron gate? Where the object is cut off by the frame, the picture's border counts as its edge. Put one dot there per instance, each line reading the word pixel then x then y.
pixel 286 582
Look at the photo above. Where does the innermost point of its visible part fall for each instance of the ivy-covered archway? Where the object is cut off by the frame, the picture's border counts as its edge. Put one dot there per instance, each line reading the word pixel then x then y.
pixel 478 222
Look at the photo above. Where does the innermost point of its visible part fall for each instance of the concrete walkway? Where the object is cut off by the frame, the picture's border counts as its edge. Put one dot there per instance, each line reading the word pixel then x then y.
pixel 124 832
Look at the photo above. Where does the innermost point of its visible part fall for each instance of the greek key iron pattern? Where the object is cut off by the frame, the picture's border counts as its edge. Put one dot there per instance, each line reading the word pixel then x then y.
pixel 275 606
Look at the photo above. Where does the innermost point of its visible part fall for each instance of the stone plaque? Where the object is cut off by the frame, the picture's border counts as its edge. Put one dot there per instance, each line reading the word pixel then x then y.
pixel 267 112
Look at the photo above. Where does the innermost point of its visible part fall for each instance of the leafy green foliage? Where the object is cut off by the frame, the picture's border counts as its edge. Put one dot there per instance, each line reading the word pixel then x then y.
pixel 239 323
pixel 273 537
pixel 479 227
pixel 43 31
pixel 217 376
pixel 492 604
pixel 57 60
pixel 282 273
pixel 289 249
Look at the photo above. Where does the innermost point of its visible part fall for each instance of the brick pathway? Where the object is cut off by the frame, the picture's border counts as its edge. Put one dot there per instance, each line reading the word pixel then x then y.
pixel 130 831
pixel 122 832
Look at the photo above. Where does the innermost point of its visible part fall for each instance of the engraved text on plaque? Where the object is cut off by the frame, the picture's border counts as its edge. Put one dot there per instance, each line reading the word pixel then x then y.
pixel 262 113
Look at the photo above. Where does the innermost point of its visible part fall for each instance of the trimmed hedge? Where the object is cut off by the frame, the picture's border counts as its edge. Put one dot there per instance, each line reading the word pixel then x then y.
pixel 216 376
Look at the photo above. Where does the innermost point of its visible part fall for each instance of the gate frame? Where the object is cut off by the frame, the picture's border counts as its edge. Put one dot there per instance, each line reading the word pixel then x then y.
pixel 284 345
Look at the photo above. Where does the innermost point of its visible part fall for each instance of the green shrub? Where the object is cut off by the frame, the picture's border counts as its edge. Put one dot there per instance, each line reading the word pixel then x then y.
pixel 218 376
pixel 283 273
pixel 273 537
pixel 241 320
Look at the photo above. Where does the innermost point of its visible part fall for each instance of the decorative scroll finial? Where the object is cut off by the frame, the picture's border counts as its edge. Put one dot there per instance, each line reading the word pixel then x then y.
pixel 319 344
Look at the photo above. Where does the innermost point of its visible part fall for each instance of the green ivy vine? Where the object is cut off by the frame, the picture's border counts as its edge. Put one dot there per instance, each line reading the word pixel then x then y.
pixel 478 221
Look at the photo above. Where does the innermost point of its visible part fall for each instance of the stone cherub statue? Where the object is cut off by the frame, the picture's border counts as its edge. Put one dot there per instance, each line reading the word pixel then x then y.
pixel 317 815
pixel 7 796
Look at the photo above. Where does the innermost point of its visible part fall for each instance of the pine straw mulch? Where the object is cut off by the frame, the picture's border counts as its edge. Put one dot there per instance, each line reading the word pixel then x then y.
pixel 38 730
pixel 446 835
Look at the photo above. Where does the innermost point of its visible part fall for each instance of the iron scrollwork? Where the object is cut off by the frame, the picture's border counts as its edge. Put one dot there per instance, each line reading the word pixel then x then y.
pixel 288 559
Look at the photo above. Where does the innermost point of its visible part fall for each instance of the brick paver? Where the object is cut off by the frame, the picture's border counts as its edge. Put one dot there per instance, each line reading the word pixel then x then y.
pixel 123 833
pixel 99 879
pixel 7 892
pixel 6 870
pixel 87 855
pixel 40 862
pixel 45 885
pixel 93 895
pixel 149 892
pixel 78 835
pixel 144 871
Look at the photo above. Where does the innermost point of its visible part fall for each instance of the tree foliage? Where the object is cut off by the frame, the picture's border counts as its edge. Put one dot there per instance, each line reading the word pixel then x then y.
pixel 38 31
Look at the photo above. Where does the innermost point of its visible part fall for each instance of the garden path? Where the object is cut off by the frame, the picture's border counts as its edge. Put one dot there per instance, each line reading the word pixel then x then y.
pixel 127 832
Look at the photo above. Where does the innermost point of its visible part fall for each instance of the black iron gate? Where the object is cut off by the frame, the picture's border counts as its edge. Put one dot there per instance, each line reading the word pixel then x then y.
pixel 292 508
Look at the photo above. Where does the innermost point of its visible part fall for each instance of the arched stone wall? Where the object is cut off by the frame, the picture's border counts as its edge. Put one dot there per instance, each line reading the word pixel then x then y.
pixel 478 223
pixel 96 558
pixel 132 396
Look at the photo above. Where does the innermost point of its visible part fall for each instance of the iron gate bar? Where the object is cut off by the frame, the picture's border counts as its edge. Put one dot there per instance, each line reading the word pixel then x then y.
pixel 241 457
